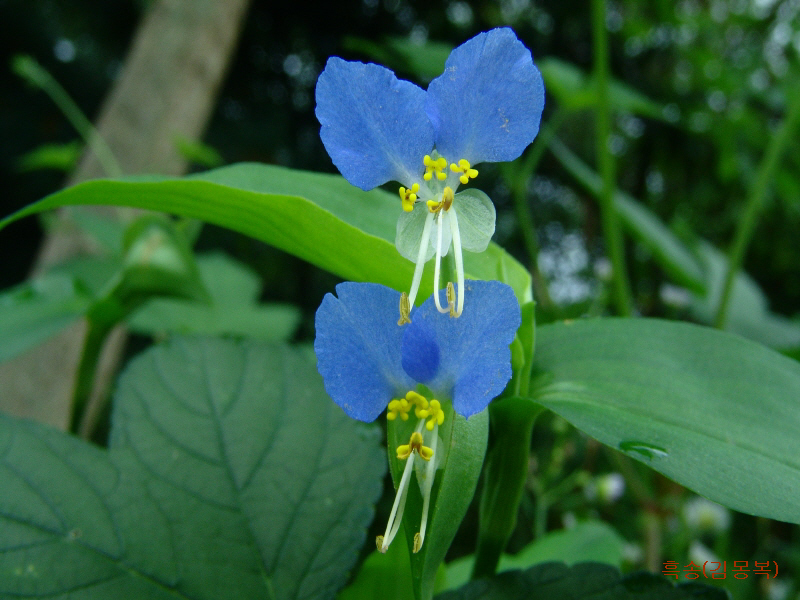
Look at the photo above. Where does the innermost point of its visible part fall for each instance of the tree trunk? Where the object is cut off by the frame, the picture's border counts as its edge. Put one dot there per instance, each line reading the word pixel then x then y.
pixel 166 91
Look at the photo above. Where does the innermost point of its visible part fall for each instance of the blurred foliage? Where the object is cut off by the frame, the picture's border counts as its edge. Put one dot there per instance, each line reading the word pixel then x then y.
pixel 700 89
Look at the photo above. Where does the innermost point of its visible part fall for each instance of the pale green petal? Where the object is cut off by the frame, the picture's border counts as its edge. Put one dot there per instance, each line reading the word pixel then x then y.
pixel 476 218
pixel 409 233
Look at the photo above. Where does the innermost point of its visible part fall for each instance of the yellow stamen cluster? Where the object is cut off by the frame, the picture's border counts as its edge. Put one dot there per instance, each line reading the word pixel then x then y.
pixel 435 412
pixel 435 206
pixel 403 406
pixel 465 169
pixel 414 445
pixel 409 196
pixel 437 166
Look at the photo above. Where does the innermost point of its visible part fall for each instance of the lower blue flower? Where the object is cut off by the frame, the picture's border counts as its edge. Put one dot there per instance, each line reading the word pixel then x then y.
pixel 369 362
pixel 366 359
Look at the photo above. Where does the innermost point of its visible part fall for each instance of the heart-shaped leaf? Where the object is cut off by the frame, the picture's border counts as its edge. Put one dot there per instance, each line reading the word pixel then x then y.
pixel 230 474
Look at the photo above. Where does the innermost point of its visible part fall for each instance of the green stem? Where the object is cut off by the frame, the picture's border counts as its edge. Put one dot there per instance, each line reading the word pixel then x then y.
pixel 504 476
pixel 755 203
pixel 518 178
pixel 96 335
pixel 605 162
pixel 31 71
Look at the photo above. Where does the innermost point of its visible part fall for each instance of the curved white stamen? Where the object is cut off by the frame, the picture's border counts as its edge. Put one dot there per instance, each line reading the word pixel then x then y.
pixel 459 259
pixel 430 473
pixel 423 249
pixel 438 264
pixel 396 516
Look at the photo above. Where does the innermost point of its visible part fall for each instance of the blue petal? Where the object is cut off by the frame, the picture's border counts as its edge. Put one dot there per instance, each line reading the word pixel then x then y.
pixel 358 348
pixel 422 363
pixel 373 125
pixel 487 105
pixel 475 361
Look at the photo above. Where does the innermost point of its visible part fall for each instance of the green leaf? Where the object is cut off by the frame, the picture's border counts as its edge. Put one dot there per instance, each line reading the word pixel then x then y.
pixel 385 576
pixel 60 157
pixel 320 218
pixel 642 224
pixel 36 310
pixel 748 311
pixel 585 581
pixel 710 410
pixel 234 309
pixel 504 478
pixel 575 90
pixel 587 541
pixel 463 446
pixel 425 60
pixel 230 475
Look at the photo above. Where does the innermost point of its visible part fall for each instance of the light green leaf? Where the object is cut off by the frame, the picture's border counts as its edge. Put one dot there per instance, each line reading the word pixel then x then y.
pixel 230 475
pixel 585 581
pixel 319 218
pixel 385 576
pixel 588 541
pixel 36 310
pixel 233 310
pixel 710 410
pixel 60 157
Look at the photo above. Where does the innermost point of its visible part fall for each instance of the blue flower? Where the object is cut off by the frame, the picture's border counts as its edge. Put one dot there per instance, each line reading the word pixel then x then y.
pixel 366 359
pixel 370 364
pixel 485 107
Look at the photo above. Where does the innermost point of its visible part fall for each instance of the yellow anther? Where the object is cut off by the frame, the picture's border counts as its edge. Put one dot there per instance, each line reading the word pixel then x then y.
pixel 417 543
pixel 437 166
pixel 398 407
pixel 463 167
pixel 435 412
pixel 414 445
pixel 379 544
pixel 405 309
pixel 409 197
pixel 419 401
pixel 445 203
pixel 451 299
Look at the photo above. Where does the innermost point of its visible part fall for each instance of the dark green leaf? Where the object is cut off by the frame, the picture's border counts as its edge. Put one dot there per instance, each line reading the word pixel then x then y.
pixel 36 310
pixel 234 310
pixel 646 227
pixel 748 312
pixel 712 411
pixel 584 581
pixel 587 541
pixel 230 474
pixel 575 90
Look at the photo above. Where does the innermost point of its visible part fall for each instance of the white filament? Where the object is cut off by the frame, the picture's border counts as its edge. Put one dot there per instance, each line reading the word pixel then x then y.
pixel 438 264
pixel 459 259
pixel 423 248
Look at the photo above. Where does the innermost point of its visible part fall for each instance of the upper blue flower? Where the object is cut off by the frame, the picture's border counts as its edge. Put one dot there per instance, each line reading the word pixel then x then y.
pixel 366 359
pixel 485 107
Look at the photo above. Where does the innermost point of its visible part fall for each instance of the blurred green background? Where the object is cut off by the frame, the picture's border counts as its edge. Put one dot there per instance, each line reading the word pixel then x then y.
pixel 707 84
